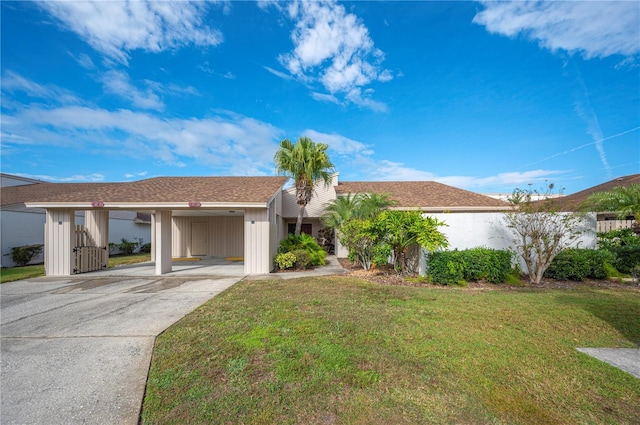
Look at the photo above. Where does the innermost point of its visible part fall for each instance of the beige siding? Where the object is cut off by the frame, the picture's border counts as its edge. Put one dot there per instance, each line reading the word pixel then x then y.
pixel 315 208
pixel 225 236
pixel 256 241
pixel 163 241
pixel 273 229
pixel 97 225
pixel 60 231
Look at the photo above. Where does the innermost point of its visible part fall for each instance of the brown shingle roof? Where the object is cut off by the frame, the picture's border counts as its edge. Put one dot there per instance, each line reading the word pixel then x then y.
pixel 574 201
pixel 36 192
pixel 425 195
pixel 154 190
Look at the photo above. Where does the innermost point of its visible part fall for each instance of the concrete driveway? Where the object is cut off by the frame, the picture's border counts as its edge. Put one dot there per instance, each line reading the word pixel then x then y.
pixel 77 350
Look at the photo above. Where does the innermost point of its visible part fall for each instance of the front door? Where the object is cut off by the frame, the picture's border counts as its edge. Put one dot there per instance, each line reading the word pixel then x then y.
pixel 199 238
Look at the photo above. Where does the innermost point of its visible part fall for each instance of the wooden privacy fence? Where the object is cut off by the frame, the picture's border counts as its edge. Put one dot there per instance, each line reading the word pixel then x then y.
pixel 607 225
pixel 86 256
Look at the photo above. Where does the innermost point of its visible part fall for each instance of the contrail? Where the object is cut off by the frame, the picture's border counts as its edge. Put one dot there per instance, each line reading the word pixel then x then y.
pixel 580 147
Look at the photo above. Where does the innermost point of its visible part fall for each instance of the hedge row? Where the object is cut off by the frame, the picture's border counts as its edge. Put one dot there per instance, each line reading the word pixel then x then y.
pixel 580 264
pixel 457 267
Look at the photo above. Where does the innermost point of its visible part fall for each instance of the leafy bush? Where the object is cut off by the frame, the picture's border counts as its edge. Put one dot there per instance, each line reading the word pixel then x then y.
pixel 303 259
pixel 145 248
pixel 626 257
pixel 22 255
pixel 126 247
pixel 447 267
pixel 617 238
pixel 285 260
pixel 580 264
pixel 456 267
pixel 492 265
pixel 314 254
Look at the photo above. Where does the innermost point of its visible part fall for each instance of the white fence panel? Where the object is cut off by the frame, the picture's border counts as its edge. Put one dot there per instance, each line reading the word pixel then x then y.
pixel 607 225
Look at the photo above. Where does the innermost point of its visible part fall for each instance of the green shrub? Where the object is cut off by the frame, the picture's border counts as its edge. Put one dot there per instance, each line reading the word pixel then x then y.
pixel 126 247
pixel 22 255
pixel 626 257
pixel 492 265
pixel 303 259
pixel 446 267
pixel 617 238
pixel 315 255
pixel 285 260
pixel 145 248
pixel 455 267
pixel 580 264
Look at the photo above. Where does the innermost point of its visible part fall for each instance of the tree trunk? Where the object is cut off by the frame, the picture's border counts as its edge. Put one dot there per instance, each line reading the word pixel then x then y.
pixel 299 221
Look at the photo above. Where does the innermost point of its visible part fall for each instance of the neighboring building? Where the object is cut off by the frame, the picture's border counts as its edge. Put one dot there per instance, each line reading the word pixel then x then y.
pixel 20 226
pixel 605 220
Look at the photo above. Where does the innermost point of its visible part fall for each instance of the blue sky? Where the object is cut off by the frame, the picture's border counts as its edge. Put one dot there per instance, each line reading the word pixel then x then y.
pixel 485 96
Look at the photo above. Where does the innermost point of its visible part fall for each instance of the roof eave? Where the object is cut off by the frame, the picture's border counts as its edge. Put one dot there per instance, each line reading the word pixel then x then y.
pixel 146 205
pixel 454 209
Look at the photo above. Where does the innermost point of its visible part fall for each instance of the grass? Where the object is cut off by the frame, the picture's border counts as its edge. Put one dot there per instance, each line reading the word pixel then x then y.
pixel 12 274
pixel 343 350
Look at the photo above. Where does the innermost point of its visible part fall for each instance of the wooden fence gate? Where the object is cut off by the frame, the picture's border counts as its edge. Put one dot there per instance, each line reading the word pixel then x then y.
pixel 86 256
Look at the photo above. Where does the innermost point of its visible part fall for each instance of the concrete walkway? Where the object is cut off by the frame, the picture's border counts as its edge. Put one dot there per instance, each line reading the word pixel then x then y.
pixel 627 359
pixel 77 350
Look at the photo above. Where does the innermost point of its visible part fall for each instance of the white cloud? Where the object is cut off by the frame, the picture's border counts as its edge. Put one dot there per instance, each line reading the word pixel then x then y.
pixel 278 73
pixel 227 142
pixel 83 60
pixel 116 28
pixel 13 82
pixel 355 96
pixel 138 174
pixel 118 83
pixel 593 28
pixel 383 170
pixel 95 177
pixel 322 97
pixel 340 144
pixel 334 48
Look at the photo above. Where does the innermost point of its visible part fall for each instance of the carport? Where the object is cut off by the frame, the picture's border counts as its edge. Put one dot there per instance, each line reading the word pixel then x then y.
pixel 226 217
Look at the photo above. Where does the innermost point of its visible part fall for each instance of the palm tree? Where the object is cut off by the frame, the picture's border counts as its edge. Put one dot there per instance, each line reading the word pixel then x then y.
pixel 371 204
pixel 341 210
pixel 623 200
pixel 359 205
pixel 305 162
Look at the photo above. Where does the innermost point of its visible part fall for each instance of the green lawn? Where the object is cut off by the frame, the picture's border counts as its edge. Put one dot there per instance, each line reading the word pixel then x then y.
pixel 18 273
pixel 346 351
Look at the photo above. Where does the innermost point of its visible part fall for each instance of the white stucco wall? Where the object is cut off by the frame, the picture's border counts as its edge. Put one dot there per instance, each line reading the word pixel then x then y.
pixel 472 230
pixel 23 226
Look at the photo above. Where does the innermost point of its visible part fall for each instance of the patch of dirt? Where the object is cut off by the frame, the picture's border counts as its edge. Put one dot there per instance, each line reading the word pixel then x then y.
pixel 390 277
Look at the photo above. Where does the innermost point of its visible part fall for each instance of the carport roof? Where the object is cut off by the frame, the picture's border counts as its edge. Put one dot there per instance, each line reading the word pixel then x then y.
pixel 425 195
pixel 158 190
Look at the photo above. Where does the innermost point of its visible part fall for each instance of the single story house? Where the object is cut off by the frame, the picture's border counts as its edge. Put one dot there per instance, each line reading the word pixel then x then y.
pixel 246 217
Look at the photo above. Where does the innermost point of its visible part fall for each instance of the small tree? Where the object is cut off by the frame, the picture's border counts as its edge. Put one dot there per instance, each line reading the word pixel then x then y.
pixel 359 236
pixel 540 231
pixel 401 229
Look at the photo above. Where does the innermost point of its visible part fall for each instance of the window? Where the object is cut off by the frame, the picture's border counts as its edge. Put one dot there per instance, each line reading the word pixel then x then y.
pixel 306 228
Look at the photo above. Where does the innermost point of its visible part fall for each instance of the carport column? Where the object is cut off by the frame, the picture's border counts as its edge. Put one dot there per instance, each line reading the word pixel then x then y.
pixel 97 224
pixel 163 241
pixel 257 259
pixel 59 242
